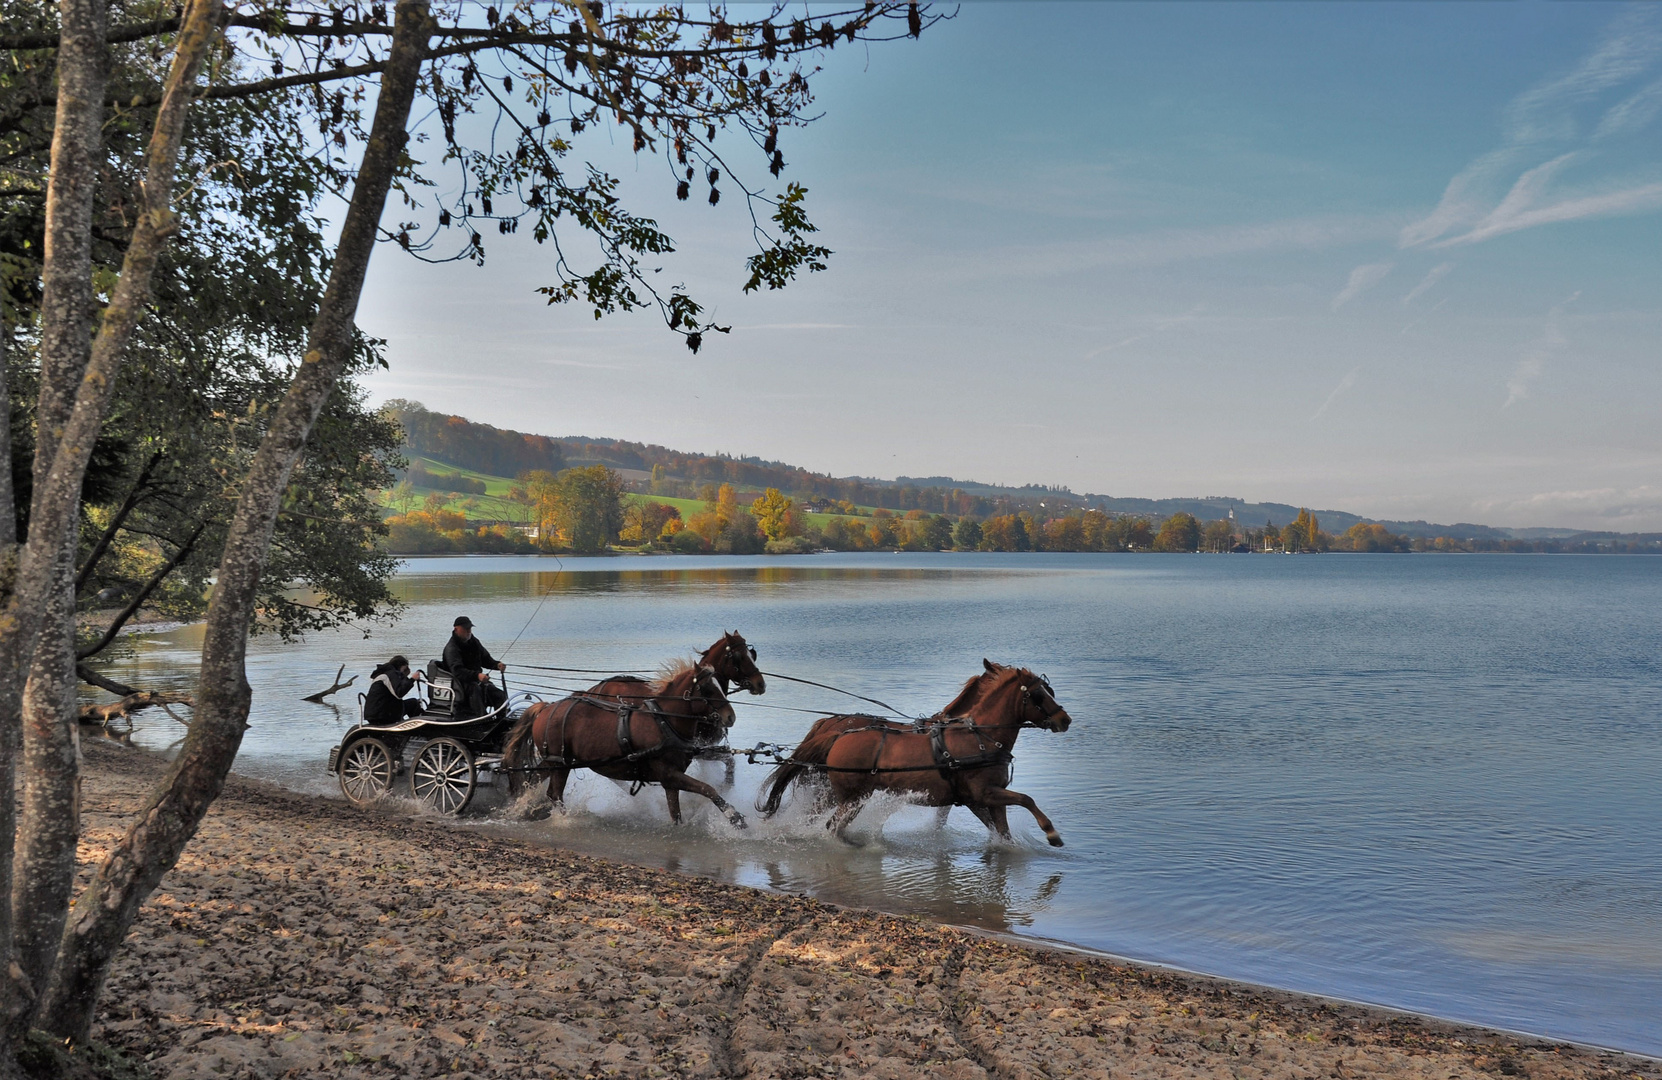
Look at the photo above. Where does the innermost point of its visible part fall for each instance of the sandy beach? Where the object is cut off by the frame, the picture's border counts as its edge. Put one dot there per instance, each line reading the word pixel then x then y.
pixel 299 937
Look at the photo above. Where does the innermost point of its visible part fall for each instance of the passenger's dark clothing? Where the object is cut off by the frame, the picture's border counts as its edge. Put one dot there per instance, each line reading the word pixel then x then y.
pixel 385 703
pixel 465 660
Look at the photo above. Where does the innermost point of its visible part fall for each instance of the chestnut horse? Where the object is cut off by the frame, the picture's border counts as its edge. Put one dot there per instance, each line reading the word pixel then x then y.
pixel 628 729
pixel 960 757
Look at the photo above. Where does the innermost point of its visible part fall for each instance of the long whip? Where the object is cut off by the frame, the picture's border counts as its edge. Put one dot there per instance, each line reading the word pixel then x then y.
pixel 546 593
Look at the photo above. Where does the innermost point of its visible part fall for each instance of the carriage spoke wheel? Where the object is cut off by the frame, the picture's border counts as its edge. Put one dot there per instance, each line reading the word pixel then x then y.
pixel 443 776
pixel 366 771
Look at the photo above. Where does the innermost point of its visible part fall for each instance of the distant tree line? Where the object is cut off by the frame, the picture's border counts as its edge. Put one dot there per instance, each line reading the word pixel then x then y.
pixel 583 510
pixel 456 440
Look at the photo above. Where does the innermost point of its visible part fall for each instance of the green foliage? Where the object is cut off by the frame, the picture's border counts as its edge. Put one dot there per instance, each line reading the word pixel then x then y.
pixel 777 265
pixel 966 535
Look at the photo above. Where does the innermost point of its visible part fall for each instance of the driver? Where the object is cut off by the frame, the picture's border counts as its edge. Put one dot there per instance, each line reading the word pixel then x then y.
pixel 470 665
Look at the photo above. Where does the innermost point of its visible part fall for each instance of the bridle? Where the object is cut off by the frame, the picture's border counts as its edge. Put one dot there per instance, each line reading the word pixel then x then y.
pixel 1044 701
pixel 734 653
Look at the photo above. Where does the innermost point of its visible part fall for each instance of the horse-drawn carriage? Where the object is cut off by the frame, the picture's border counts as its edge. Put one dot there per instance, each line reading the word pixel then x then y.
pixel 638 732
pixel 442 751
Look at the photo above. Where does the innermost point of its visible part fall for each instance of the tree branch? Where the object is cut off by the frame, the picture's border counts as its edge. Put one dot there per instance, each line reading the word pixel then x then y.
pixel 120 519
pixel 92 678
pixel 143 594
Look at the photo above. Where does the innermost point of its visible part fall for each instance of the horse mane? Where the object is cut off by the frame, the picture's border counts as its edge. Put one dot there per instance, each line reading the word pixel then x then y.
pixel 670 670
pixel 976 687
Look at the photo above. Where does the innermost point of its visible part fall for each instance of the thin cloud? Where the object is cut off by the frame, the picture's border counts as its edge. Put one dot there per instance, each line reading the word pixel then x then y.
pixel 1362 279
pixel 1551 342
pixel 1635 200
pixel 1542 139
pixel 1432 277
pixel 1344 384
pixel 1633 114
pixel 1160 326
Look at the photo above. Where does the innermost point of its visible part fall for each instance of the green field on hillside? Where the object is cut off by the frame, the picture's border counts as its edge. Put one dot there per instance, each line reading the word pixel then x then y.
pixel 495 506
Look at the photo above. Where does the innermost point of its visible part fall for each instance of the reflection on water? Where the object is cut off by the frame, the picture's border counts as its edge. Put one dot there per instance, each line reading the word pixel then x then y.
pixel 1427 781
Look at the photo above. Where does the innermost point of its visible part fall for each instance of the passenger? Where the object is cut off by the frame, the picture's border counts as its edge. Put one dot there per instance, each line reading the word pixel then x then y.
pixel 385 703
pixel 470 665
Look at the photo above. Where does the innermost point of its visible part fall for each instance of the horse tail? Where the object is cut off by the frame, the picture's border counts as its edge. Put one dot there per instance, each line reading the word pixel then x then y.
pixel 516 749
pixel 815 749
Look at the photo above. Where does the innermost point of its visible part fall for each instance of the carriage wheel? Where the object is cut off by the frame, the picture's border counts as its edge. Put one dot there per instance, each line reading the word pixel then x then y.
pixel 366 771
pixel 443 777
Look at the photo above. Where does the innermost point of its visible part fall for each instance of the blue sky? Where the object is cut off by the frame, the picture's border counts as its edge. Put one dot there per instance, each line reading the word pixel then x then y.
pixel 1399 259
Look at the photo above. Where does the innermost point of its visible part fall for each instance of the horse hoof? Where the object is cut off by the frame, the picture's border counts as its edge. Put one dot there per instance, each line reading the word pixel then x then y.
pixel 739 821
pixel 1055 841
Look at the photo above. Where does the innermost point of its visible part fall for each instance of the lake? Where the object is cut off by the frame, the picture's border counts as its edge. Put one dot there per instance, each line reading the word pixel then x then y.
pixel 1427 781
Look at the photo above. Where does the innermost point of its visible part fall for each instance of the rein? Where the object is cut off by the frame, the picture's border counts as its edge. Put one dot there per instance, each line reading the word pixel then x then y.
pixel 840 690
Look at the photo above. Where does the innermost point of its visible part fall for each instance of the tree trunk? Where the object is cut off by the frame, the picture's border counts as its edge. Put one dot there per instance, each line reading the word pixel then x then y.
pixel 152 845
pixel 65 313
pixel 43 869
pixel 67 436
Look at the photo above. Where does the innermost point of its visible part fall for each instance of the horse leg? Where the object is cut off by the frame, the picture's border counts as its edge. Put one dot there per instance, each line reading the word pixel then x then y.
pixel 673 779
pixel 941 814
pixel 840 819
pixel 999 798
pixel 557 786
pixel 672 796
pixel 983 815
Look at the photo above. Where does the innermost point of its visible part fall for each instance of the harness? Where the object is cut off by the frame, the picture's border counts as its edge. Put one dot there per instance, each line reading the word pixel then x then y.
pixel 625 706
pixel 935 728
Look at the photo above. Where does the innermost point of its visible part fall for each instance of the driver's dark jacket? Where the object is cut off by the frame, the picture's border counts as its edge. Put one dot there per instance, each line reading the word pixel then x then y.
pixel 466 659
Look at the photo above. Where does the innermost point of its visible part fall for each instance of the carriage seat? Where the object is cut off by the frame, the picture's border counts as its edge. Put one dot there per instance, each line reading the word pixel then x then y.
pixel 442 688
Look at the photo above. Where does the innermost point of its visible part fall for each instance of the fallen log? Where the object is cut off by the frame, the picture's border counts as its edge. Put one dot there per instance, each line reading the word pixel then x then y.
pixel 132 703
pixel 321 694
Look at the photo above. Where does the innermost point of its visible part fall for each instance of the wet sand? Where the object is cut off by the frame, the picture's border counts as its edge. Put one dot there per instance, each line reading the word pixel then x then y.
pixel 299 937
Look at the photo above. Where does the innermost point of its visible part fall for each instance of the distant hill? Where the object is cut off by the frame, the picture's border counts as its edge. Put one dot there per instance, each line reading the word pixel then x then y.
pixel 468 444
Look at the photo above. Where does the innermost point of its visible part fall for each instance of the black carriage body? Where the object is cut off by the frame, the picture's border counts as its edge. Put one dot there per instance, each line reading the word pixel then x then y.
pixel 441 753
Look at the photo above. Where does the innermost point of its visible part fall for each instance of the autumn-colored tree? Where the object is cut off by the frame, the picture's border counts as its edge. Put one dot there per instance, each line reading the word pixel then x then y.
pixel 884 530
pixel 1180 532
pixel 773 514
pixel 1366 536
pixel 1065 534
pixel 1004 532
pixel 727 505
pixel 1304 534
pixel 645 522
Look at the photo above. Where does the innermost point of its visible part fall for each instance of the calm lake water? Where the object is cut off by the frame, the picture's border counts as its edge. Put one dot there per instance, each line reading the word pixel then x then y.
pixel 1431 782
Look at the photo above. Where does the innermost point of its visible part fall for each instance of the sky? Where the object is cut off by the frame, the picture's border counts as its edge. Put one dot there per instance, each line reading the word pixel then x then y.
pixel 1403 260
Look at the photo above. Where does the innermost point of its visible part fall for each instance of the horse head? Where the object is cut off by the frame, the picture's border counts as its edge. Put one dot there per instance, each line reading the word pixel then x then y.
pixel 735 662
pixel 719 715
pixel 1036 702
